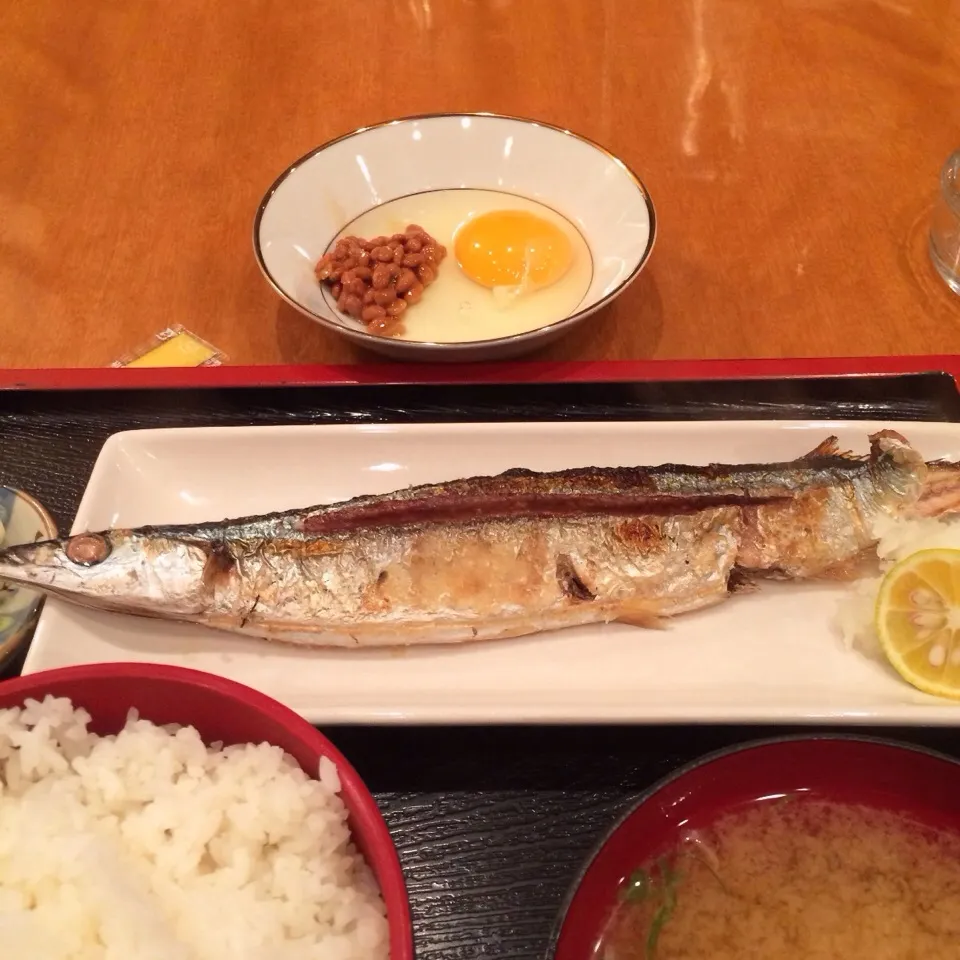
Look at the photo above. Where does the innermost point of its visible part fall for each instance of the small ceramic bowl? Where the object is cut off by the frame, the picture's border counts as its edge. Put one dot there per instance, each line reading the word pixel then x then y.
pixel 23 520
pixel 847 769
pixel 319 197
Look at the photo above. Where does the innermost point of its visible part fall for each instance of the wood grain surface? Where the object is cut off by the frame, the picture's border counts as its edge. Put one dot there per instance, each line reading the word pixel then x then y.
pixel 792 149
pixel 492 824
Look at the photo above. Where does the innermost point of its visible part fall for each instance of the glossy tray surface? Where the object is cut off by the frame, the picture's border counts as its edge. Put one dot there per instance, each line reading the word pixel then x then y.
pixel 492 822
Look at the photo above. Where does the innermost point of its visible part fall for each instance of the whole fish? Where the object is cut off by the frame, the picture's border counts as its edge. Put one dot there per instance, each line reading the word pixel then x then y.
pixel 502 556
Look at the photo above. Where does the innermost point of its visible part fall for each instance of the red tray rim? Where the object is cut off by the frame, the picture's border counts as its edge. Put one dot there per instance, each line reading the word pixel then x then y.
pixel 284 375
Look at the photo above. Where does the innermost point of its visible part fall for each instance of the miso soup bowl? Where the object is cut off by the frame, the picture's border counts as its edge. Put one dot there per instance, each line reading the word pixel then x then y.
pixel 320 194
pixel 882 774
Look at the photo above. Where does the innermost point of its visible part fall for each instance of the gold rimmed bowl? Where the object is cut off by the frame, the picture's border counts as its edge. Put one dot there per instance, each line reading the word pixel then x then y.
pixel 501 177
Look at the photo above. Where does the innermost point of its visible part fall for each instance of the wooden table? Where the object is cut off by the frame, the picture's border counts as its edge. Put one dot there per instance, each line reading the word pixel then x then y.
pixel 792 150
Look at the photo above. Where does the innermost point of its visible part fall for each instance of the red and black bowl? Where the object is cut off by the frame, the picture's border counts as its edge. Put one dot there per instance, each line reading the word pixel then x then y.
pixel 222 710
pixel 909 780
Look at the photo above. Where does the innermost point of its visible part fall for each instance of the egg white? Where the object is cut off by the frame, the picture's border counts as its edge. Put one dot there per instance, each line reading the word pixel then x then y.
pixel 454 308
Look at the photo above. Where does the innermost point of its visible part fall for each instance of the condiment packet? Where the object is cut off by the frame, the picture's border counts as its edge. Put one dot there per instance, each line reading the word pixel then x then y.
pixel 173 347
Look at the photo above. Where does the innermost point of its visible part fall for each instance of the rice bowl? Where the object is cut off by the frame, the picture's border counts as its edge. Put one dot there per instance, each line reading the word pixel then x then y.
pixel 157 837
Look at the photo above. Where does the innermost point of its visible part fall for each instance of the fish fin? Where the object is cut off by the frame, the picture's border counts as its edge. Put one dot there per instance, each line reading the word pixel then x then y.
pixel 830 448
pixel 826 448
pixel 640 613
pixel 249 613
pixel 864 564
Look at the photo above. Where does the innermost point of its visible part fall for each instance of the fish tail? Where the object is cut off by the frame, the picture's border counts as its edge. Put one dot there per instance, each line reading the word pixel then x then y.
pixel 639 613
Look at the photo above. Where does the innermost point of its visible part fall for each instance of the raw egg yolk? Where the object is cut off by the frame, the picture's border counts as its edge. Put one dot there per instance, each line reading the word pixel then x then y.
pixel 507 248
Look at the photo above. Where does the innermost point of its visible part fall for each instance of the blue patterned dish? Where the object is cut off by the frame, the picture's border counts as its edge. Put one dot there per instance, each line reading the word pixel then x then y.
pixel 22 520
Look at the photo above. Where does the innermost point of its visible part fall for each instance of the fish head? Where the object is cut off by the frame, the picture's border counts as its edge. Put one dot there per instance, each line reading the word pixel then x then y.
pixel 145 572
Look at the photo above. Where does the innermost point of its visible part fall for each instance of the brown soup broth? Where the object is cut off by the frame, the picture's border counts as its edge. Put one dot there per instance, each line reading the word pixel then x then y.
pixel 795 879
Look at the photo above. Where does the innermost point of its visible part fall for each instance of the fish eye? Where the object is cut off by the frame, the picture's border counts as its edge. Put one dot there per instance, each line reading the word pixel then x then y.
pixel 87 549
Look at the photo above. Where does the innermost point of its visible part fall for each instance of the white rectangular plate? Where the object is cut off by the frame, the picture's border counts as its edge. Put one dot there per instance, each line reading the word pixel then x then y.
pixel 773 655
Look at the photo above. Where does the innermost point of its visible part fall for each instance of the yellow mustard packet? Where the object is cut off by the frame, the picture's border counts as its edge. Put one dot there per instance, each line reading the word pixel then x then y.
pixel 173 347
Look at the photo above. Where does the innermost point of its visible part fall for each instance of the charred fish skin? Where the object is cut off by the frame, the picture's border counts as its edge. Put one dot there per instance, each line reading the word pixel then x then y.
pixel 427 583
pixel 521 493
pixel 828 523
pixel 647 544
pixel 667 488
pixel 451 582
pixel 807 518
pixel 447 583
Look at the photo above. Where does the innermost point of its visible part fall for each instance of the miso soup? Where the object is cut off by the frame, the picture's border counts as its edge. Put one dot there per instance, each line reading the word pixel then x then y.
pixel 795 880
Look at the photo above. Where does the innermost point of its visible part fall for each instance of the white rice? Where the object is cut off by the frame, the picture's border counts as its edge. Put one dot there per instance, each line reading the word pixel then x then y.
pixel 898 538
pixel 150 845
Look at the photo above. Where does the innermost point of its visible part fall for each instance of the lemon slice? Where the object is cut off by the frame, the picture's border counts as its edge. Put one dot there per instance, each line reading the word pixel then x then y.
pixel 917 619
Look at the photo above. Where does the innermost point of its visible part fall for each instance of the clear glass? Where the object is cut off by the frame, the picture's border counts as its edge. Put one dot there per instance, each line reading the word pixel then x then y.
pixel 945 224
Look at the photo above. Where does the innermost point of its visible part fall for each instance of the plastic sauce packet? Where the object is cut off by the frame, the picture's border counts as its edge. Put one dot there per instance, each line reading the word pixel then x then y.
pixel 173 347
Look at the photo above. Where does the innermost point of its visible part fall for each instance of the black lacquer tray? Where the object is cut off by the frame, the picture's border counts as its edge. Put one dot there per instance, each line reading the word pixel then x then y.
pixel 492 823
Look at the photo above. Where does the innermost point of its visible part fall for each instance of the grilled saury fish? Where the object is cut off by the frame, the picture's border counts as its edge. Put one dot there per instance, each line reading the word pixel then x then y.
pixel 500 556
